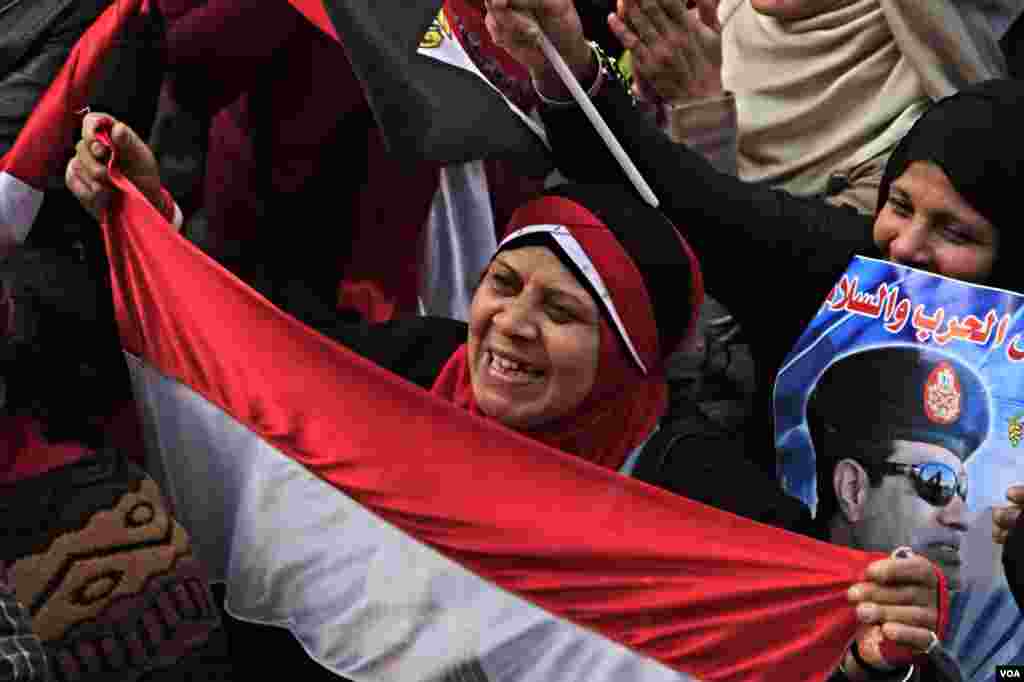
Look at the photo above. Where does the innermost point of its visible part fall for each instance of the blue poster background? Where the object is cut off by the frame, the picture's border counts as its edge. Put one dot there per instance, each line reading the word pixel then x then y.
pixel 877 303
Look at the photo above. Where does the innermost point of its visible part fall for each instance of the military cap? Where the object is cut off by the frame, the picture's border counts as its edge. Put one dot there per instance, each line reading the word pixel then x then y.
pixel 903 393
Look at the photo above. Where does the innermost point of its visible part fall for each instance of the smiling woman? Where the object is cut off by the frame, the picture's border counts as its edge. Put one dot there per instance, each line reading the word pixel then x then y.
pixel 572 320
pixel 534 340
pixel 925 223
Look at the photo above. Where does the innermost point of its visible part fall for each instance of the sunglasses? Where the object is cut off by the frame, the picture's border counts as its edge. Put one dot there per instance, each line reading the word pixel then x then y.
pixel 935 483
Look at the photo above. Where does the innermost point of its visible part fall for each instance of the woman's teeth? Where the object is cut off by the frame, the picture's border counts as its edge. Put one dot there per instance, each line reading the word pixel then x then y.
pixel 506 366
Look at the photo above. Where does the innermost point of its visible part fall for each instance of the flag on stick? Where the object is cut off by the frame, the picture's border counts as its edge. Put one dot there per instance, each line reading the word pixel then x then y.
pixel 427 107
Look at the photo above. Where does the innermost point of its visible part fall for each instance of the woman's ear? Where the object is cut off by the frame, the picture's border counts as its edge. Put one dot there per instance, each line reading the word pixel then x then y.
pixel 851 484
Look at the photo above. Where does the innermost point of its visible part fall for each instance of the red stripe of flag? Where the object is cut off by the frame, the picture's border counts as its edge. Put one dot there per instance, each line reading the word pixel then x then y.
pixel 314 11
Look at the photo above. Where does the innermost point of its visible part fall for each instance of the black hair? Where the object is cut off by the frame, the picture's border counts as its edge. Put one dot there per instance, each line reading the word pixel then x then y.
pixel 831 446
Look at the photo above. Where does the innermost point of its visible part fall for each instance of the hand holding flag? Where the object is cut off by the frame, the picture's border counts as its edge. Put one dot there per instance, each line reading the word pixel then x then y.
pixel 519 29
pixel 87 175
pixel 514 25
pixel 119 53
pixel 902 602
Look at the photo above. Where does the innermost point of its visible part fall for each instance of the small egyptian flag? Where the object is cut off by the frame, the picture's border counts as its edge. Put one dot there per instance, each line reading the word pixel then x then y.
pixel 432 98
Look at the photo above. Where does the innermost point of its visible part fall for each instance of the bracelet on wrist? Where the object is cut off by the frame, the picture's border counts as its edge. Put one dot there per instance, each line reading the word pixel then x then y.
pixel 591 91
pixel 606 68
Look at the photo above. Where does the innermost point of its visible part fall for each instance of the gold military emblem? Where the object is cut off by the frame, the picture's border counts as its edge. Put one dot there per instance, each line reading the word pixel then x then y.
pixel 438 31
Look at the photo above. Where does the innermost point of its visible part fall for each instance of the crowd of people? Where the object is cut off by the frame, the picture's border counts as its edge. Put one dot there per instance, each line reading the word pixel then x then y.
pixel 788 137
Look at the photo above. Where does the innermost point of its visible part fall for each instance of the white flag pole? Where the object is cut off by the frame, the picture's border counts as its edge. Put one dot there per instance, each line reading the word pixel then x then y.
pixel 578 94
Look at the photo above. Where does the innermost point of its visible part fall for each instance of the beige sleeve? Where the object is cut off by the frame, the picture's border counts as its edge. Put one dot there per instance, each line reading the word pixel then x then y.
pixel 707 126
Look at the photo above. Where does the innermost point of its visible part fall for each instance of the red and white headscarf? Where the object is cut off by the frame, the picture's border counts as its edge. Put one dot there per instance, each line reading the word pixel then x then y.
pixel 625 261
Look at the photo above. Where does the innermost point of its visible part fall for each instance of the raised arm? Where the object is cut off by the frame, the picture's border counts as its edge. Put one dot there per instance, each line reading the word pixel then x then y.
pixel 748 237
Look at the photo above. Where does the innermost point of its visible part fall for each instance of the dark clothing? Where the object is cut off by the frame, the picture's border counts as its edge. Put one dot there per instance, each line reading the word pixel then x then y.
pixel 767 256
pixel 21 653
pixel 36 37
pixel 1013 46
pixel 1013 561
pixel 60 277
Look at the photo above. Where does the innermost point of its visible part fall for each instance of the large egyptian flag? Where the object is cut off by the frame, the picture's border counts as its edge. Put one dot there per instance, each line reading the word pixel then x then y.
pixel 116 67
pixel 398 537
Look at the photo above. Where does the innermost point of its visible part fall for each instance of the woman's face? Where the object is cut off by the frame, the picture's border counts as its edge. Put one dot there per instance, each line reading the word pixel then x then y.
pixel 926 224
pixel 534 339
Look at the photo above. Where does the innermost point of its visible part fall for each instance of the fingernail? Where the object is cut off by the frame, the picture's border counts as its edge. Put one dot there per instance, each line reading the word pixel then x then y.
pixel 867 613
pixel 855 593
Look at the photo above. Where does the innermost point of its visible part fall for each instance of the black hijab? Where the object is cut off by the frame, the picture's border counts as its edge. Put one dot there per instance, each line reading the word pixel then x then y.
pixel 977 138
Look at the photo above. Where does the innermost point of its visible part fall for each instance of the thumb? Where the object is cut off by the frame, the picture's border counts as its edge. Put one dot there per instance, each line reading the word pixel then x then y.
pixel 132 152
pixel 135 159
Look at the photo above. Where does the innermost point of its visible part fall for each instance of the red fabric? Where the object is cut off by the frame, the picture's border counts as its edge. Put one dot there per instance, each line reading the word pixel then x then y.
pixel 224 47
pixel 367 298
pixel 40 151
pixel 25 453
pixel 264 61
pixel 705 592
pixel 624 405
pixel 314 11
pixel 304 89
pixel 620 274
pixel 382 272
pixel 466 19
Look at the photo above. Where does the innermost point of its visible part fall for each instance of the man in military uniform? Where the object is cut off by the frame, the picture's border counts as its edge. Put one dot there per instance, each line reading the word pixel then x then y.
pixel 892 428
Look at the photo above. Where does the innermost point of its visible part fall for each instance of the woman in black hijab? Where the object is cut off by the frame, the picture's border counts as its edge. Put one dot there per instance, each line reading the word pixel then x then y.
pixel 769 257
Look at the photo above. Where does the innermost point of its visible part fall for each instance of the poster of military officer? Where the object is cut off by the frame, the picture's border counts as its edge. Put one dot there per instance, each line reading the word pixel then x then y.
pixel 898 423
